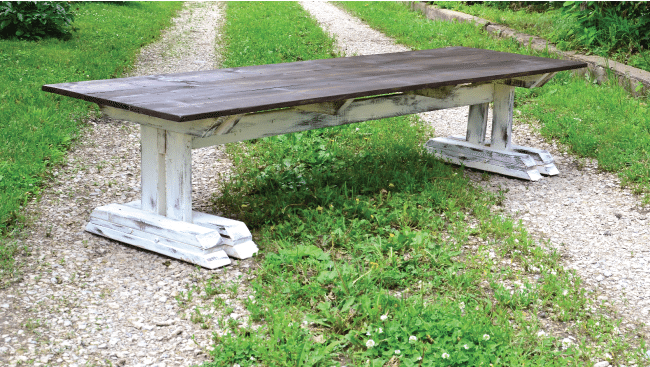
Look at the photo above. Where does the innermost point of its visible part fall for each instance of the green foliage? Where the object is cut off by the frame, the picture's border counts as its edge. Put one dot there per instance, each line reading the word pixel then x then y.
pixel 34 20
pixel 37 128
pixel 618 30
pixel 606 27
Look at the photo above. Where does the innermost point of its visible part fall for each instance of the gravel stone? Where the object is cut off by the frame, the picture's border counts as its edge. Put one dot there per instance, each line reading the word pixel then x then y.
pixel 583 212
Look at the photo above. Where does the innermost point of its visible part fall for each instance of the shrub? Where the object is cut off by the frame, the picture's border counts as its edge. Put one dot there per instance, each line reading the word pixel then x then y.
pixel 34 20
pixel 606 27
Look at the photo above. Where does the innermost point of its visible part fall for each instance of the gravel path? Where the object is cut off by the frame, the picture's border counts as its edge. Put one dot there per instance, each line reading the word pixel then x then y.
pixel 599 227
pixel 89 301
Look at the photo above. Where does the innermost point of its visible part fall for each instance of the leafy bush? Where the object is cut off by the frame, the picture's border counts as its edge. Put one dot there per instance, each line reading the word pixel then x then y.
pixel 34 20
pixel 605 27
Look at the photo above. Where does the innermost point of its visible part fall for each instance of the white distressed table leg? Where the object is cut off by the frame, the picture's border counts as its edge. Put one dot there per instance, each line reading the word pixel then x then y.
pixel 504 97
pixel 153 169
pixel 178 166
pixel 477 123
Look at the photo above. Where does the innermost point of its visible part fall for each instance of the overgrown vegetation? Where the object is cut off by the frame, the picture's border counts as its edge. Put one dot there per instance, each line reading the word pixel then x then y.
pixel 37 128
pixel 34 20
pixel 375 254
pixel 619 30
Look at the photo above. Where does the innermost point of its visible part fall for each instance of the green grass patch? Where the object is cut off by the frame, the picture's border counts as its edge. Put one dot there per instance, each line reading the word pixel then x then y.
pixel 37 127
pixel 538 23
pixel 255 38
pixel 599 121
pixel 373 253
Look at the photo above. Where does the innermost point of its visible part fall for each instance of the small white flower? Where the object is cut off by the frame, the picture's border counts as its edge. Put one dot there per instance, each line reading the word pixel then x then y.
pixel 370 343
pixel 380 330
pixel 466 346
pixel 368 333
pixel 397 351
pixel 476 308
pixel 445 356
pixel 565 292
pixel 413 338
pixel 252 358
pixel 486 337
pixel 462 306
pixel 419 358
pixel 553 272
pixel 236 365
pixel 383 317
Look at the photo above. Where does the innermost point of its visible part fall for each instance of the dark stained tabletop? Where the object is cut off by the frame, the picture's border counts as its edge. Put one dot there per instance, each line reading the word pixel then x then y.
pixel 213 93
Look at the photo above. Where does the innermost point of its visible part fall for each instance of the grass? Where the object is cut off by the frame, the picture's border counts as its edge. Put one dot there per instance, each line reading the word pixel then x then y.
pixel 375 254
pixel 545 24
pixel 37 128
pixel 603 123
pixel 536 23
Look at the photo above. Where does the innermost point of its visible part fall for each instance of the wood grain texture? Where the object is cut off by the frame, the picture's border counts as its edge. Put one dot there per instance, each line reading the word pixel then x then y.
pixel 263 124
pixel 477 123
pixel 214 93
pixel 478 156
pixel 178 176
pixel 153 177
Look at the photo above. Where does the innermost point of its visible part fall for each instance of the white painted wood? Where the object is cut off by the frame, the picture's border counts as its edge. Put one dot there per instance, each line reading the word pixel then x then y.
pixel 126 215
pixel 259 125
pixel 530 81
pixel 153 169
pixel 328 108
pixel 542 158
pixel 236 239
pixel 242 251
pixel 502 116
pixel 226 125
pixel 477 123
pixel 195 128
pixel 484 158
pixel 178 169
pixel 211 260
pixel 233 232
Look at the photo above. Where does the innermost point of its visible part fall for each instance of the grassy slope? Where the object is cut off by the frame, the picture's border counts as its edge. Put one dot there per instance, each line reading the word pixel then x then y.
pixel 38 127
pixel 364 237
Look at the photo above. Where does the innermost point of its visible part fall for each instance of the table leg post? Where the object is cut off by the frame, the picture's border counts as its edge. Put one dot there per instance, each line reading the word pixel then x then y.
pixel 504 97
pixel 152 141
pixel 477 123
pixel 178 170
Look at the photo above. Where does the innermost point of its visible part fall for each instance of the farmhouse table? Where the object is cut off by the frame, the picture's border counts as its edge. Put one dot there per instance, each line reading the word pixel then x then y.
pixel 181 112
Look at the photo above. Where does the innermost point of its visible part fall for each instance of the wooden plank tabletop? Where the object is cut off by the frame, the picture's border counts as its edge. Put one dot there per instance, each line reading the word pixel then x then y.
pixel 213 93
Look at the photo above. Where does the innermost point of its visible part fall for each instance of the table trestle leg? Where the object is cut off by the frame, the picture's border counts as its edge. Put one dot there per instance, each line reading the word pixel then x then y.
pixel 163 221
pixel 498 154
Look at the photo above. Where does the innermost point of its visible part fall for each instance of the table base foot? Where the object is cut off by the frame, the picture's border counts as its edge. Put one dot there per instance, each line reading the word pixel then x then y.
pixel 482 157
pixel 207 242
pixel 543 159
